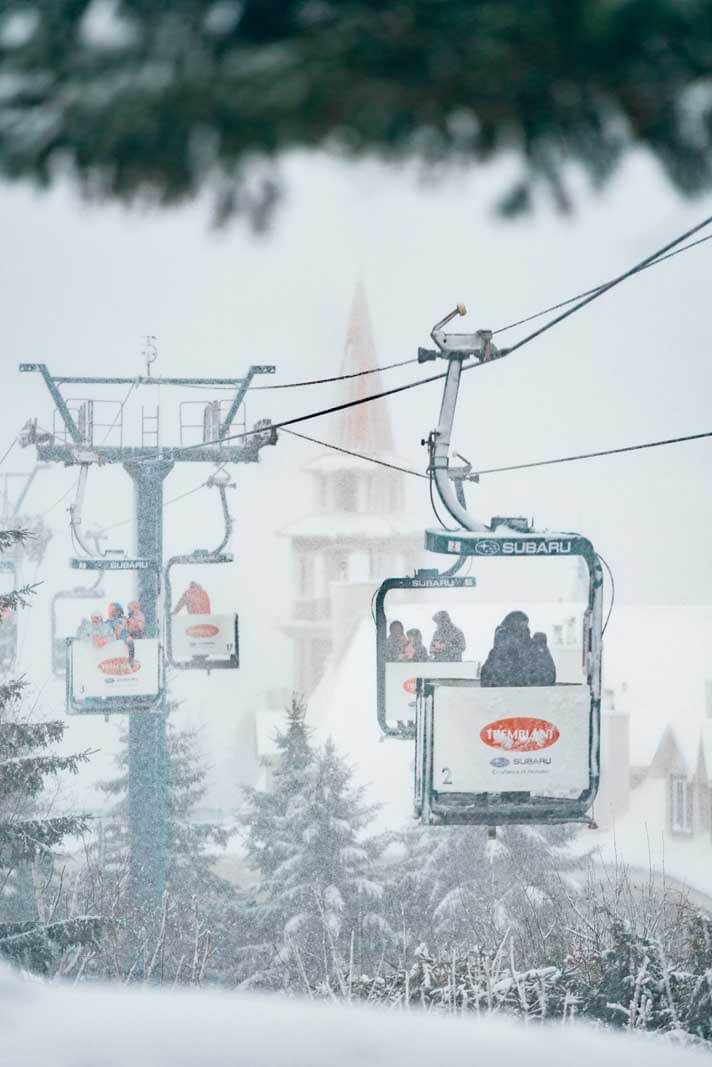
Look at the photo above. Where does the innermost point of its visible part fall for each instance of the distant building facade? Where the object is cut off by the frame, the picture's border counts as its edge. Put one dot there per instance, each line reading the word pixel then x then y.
pixel 357 533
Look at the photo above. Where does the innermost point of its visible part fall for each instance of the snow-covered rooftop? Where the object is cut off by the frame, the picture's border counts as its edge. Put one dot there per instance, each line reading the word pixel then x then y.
pixel 640 840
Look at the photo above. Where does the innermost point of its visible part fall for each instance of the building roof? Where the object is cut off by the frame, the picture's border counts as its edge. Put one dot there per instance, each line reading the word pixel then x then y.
pixel 366 427
pixel 352 525
pixel 657 658
pixel 640 840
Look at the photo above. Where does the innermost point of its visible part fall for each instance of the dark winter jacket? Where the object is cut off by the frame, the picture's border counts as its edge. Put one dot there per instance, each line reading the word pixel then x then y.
pixel 448 641
pixel 541 666
pixel 516 660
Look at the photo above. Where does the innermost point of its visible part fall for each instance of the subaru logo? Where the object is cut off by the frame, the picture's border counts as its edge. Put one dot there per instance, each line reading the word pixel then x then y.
pixel 500 761
pixel 487 548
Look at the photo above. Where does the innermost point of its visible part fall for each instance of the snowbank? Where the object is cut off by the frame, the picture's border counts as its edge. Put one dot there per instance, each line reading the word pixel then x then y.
pixel 100 1027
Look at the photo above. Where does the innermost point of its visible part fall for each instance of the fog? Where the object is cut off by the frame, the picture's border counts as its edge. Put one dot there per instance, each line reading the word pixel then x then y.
pixel 81 285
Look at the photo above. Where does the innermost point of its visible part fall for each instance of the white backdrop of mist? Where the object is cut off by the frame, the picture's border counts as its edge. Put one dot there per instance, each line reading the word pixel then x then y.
pixel 80 287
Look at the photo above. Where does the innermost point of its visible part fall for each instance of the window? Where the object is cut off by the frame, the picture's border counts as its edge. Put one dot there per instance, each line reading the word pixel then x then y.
pixel 346 493
pixel 680 805
pixel 338 567
pixel 305 575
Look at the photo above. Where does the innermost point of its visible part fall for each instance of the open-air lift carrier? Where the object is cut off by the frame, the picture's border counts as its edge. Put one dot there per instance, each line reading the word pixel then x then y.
pixel 491 754
pixel 204 642
pixel 105 678
pixel 84 596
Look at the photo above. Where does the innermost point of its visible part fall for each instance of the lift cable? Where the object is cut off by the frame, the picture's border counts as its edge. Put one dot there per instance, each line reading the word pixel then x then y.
pixel 8 450
pixel 595 455
pixel 337 377
pixel 434 506
pixel 357 455
pixel 597 288
pixel 501 329
pixel 648 261
pixel 59 500
pixel 173 500
pixel 120 413
pixel 418 474
pixel 518 466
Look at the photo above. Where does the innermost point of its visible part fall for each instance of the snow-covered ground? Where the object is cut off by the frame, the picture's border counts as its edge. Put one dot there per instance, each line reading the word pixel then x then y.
pixel 55 1026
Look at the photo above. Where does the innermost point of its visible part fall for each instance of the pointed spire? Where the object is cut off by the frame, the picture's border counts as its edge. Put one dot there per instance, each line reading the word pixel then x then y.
pixel 368 426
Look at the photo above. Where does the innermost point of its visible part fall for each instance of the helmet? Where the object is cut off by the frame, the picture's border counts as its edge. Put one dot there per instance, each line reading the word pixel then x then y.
pixel 134 606
pixel 115 610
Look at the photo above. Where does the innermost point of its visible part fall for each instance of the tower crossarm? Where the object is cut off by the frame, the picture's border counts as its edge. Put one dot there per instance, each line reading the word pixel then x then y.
pixel 78 450
pixel 246 453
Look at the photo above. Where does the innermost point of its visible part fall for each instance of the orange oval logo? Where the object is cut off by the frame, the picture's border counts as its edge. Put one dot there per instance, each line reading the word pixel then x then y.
pixel 410 685
pixel 520 734
pixel 119 665
pixel 205 629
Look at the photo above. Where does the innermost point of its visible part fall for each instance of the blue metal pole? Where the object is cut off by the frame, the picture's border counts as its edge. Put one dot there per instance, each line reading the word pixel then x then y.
pixel 148 761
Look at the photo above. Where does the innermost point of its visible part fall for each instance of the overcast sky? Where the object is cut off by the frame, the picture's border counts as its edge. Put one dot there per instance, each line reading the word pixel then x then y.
pixel 79 287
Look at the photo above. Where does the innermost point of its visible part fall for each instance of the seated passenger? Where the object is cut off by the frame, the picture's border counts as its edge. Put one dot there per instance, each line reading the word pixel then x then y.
pixel 508 663
pixel 542 670
pixel 448 641
pixel 396 643
pixel 136 621
pixel 120 625
pixel 195 600
pixel 516 658
pixel 415 650
pixel 94 629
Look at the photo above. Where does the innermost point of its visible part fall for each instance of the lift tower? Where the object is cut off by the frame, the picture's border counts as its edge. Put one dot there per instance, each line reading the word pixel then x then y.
pixel 73 443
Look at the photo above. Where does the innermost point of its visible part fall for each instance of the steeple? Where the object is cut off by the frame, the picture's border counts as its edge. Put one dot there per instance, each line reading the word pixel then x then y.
pixel 366 427
pixel 359 532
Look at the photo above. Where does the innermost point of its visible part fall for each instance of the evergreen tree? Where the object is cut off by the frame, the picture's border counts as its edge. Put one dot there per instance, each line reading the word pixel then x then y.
pixel 317 911
pixel 31 932
pixel 200 922
pixel 544 84
pixel 456 889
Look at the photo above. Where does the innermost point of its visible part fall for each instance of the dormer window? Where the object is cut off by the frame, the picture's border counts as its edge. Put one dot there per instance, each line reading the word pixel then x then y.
pixel 680 805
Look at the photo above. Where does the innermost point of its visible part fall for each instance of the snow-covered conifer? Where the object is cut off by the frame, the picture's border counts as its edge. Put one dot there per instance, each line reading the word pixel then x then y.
pixel 35 931
pixel 195 936
pixel 455 888
pixel 318 909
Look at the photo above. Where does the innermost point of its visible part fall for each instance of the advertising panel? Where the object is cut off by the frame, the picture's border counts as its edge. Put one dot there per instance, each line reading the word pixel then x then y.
pixel 401 678
pixel 518 739
pixel 107 671
pixel 203 635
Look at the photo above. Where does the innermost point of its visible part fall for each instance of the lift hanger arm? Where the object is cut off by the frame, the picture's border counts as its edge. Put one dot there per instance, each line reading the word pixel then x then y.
pixel 239 396
pixel 222 485
pixel 455 348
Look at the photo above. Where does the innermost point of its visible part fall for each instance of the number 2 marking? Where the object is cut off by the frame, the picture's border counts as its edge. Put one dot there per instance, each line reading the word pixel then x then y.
pixel 447 776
